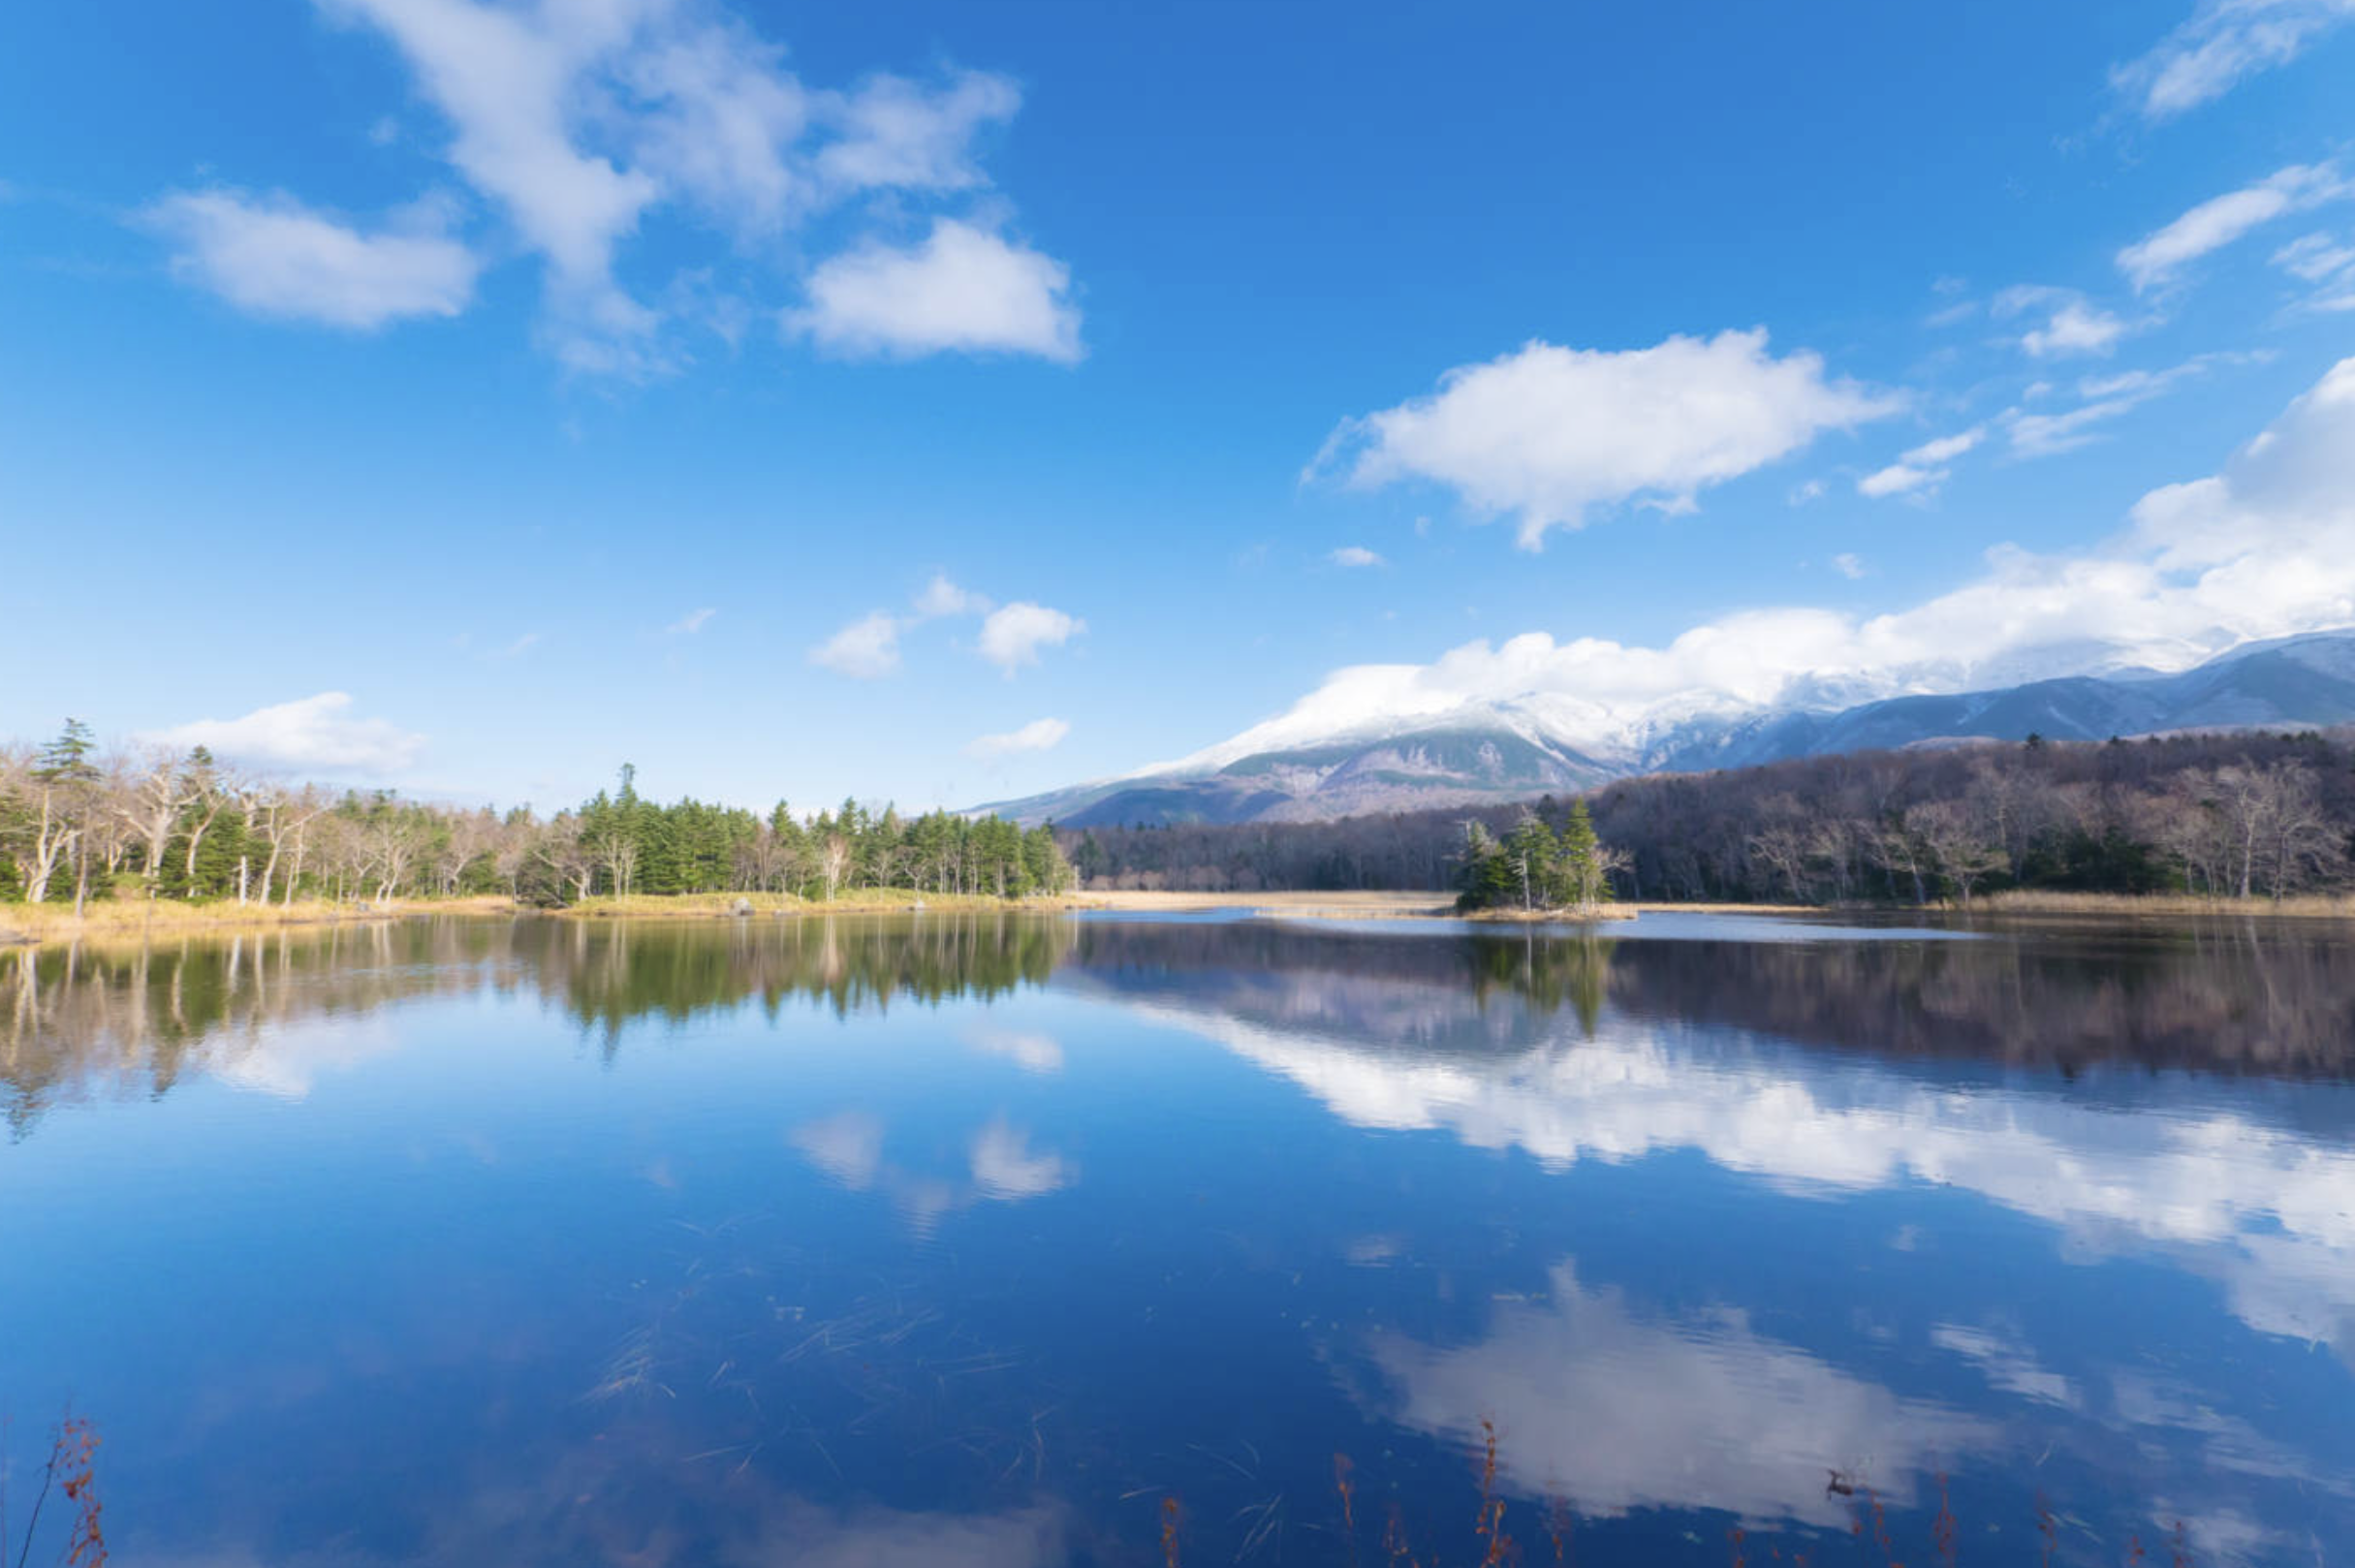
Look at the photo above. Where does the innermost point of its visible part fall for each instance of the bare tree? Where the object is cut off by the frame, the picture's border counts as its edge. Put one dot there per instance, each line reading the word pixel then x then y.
pixel 1958 843
pixel 151 793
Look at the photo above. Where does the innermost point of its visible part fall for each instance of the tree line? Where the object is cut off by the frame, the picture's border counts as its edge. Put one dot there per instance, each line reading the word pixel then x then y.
pixel 78 822
pixel 2240 814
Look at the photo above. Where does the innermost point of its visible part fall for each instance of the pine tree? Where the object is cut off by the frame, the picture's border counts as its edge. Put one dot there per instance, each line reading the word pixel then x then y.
pixel 1583 860
pixel 1532 862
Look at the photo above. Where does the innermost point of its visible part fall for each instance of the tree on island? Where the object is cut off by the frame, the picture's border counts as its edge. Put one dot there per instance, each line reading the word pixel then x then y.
pixel 1534 868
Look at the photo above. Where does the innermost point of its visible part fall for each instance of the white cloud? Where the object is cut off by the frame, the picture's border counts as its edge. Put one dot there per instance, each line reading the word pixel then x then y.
pixel 2072 324
pixel 896 133
pixel 960 290
pixel 579 122
pixel 2221 43
pixel 941 597
pixel 271 256
pixel 1011 637
pixel 690 623
pixel 2220 220
pixel 1039 735
pixel 1355 555
pixel 1922 468
pixel 1546 432
pixel 867 648
pixel 2275 555
pixel 1849 565
pixel 314 732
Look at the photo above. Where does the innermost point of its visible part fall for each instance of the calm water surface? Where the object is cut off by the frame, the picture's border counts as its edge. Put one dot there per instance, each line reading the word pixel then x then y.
pixel 970 1241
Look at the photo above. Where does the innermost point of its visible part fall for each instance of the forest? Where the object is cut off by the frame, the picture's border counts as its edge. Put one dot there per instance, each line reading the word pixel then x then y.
pixel 77 823
pixel 2234 814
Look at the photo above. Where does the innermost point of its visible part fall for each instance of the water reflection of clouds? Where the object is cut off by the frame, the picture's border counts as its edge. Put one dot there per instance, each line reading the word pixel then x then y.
pixel 1028 1050
pixel 2266 1211
pixel 287 1063
pixel 1000 1166
pixel 1614 1409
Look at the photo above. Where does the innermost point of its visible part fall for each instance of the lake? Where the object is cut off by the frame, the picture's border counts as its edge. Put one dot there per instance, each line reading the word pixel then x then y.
pixel 1024 1239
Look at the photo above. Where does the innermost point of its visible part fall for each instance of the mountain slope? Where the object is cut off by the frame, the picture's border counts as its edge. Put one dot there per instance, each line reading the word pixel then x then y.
pixel 1523 748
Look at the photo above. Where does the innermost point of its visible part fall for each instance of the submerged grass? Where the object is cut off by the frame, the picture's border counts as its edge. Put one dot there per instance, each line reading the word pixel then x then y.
pixel 1493 1545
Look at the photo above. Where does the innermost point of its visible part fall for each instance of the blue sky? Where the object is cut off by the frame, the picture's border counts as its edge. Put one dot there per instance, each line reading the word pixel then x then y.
pixel 944 403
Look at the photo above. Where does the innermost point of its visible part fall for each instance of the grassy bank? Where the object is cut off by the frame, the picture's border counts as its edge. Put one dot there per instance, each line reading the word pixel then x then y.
pixel 148 920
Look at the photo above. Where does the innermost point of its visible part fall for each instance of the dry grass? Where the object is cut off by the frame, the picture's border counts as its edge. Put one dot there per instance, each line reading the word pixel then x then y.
pixel 128 920
pixel 866 902
pixel 1331 905
pixel 2029 902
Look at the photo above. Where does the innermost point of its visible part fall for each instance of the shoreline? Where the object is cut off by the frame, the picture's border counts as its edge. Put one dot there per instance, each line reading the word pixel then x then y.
pixel 33 926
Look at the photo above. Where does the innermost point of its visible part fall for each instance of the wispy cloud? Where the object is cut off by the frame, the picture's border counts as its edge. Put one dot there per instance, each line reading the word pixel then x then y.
pixel 941 597
pixel 1547 433
pixel 866 649
pixel 2072 324
pixel 690 623
pixel 312 732
pixel 1355 555
pixel 2218 222
pixel 1922 469
pixel 1850 566
pixel 2109 398
pixel 1039 735
pixel 2224 42
pixel 268 255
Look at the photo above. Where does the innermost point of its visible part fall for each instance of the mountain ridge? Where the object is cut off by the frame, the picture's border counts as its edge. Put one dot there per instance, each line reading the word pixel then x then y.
pixel 1519 747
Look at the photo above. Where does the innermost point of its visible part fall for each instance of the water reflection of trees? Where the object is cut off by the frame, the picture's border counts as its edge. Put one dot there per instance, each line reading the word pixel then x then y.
pixel 2240 996
pixel 2235 997
pixel 2230 996
pixel 612 974
pixel 134 1021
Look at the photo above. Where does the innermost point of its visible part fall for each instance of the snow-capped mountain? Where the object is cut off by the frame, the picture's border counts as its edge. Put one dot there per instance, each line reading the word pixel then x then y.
pixel 1342 756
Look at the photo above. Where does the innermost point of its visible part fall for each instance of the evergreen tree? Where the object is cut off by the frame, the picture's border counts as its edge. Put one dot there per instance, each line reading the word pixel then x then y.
pixel 1582 856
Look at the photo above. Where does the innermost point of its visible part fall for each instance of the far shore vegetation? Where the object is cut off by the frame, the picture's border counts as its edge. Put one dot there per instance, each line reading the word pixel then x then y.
pixel 138 842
